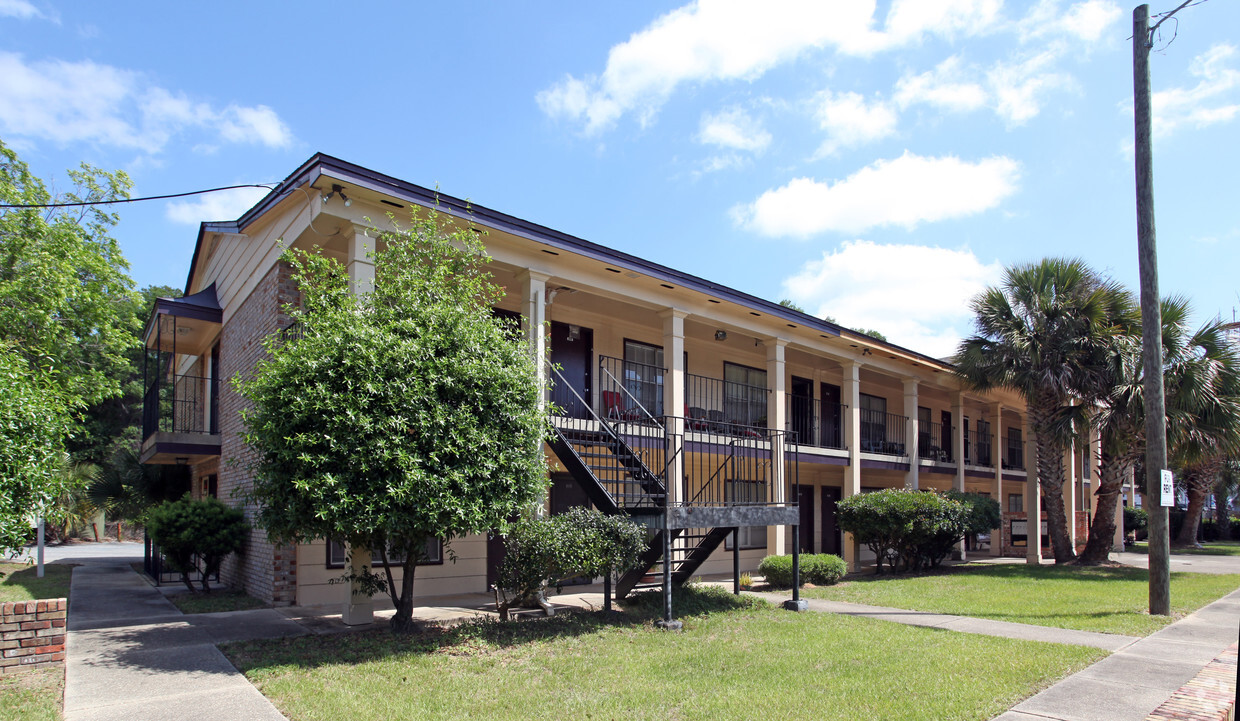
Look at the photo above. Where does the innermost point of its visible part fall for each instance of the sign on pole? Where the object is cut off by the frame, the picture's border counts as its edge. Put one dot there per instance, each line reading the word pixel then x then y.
pixel 1168 489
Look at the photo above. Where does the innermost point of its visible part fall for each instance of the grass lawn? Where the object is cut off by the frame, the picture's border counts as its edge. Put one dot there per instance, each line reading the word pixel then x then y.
pixel 214 602
pixel 1111 600
pixel 31 695
pixel 18 581
pixel 1213 548
pixel 744 659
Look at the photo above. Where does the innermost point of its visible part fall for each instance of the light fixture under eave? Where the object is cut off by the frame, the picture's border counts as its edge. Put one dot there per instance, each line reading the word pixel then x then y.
pixel 182 460
pixel 721 335
pixel 338 189
pixel 574 332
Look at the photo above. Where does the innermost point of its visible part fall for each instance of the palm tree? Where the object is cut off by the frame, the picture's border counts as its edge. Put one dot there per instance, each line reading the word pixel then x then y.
pixel 1046 332
pixel 1201 380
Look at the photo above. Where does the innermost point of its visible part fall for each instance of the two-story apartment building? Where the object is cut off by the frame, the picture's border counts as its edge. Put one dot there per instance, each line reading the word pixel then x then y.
pixel 721 419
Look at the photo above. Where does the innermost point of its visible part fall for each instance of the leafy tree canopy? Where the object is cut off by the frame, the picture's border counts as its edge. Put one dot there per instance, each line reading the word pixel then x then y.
pixel 401 414
pixel 64 286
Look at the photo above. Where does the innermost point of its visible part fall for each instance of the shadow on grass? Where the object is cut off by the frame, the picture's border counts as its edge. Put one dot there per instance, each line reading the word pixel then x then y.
pixel 479 636
pixel 20 582
pixel 1015 571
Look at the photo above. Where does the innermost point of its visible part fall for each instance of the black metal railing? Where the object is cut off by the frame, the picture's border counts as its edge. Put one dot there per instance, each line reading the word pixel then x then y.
pixel 884 433
pixel 725 402
pixel 628 389
pixel 735 466
pixel 291 332
pixel 157 567
pixel 978 449
pixel 814 423
pixel 930 443
pixel 176 406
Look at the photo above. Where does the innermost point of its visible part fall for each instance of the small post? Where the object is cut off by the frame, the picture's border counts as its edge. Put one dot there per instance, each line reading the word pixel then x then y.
pixel 607 591
pixel 667 623
pixel 796 603
pixel 736 561
pixel 39 569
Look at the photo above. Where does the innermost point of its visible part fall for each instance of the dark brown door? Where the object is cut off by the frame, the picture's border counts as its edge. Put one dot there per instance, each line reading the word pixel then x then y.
pixel 946 443
pixel 802 408
pixel 832 425
pixel 805 500
pixel 830 532
pixel 572 348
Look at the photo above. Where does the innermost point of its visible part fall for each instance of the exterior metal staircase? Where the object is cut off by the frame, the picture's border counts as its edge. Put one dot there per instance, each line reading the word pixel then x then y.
pixel 599 454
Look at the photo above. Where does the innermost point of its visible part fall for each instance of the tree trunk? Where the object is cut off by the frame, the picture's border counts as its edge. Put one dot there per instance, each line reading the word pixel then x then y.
pixel 402 622
pixel 1050 479
pixel 1192 517
pixel 1111 476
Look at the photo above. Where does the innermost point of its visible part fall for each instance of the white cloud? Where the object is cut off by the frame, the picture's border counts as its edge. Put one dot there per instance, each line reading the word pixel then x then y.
pixel 1212 100
pixel 20 9
pixel 918 296
pixel 66 102
pixel 906 191
pixel 731 40
pixel 1086 21
pixel 947 87
pixel 220 205
pixel 735 129
pixel 1017 88
pixel 850 121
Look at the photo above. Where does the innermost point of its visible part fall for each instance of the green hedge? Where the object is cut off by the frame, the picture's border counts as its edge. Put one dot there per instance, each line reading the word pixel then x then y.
pixel 820 569
pixel 906 528
pixel 187 528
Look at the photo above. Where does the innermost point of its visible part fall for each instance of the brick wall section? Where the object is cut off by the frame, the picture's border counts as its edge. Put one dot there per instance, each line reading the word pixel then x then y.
pixel 1082 533
pixel 32 634
pixel 1208 697
pixel 265 571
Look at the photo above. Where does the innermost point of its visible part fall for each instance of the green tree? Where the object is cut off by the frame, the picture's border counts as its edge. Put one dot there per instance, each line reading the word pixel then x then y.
pixel 64 285
pixel 33 424
pixel 401 414
pixel 1201 381
pixel 788 303
pixel 196 536
pixel 1045 332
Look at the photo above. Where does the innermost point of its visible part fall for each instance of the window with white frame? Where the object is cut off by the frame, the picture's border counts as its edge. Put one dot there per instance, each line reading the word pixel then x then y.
pixel 338 556
pixel 744 394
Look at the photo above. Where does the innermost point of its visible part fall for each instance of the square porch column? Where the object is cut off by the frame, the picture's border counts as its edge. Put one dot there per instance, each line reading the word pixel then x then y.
pixel 958 439
pixel 1033 501
pixel 674 401
pixel 911 425
pixel 776 401
pixel 360 262
pixel 359 608
pixel 852 438
pixel 996 536
pixel 534 321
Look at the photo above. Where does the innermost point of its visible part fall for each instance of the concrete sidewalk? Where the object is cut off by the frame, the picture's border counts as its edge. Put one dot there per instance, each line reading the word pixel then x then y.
pixel 130 654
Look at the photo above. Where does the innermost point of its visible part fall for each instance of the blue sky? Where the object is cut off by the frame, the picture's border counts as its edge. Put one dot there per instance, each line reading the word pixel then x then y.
pixel 876 162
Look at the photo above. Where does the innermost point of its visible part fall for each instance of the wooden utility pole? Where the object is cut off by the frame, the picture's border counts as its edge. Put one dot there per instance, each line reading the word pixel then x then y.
pixel 1151 317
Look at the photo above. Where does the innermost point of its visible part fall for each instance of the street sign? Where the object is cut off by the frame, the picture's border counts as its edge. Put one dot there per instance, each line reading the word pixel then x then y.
pixel 1168 489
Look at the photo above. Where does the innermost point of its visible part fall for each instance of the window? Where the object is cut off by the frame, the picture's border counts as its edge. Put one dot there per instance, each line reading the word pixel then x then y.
pixel 744 394
pixel 1015 449
pixel 873 423
pixel 1085 462
pixel 643 375
pixel 337 555
pixel 750 537
pixel 1016 503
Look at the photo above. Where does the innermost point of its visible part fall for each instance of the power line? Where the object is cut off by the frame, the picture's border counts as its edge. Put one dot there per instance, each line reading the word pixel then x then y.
pixel 267 186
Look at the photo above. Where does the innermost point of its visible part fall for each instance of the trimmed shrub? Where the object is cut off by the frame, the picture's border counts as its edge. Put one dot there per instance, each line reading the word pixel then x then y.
pixel 905 528
pixel 185 529
pixel 984 515
pixel 820 569
pixel 1135 519
pixel 543 551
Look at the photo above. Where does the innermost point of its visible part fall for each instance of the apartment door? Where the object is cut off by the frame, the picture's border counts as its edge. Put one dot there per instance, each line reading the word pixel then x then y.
pixel 832 424
pixel 572 349
pixel 805 533
pixel 831 542
pixel 803 409
pixel 946 443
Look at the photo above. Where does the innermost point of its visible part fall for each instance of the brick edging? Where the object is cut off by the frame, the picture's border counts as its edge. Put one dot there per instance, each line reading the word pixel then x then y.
pixel 32 634
pixel 1208 697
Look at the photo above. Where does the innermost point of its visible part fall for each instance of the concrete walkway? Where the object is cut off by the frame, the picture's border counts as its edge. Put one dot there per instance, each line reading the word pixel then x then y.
pixel 130 654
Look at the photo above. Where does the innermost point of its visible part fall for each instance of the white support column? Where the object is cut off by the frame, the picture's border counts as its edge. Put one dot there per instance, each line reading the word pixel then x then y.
pixel 674 400
pixel 361 260
pixel 359 608
pixel 534 312
pixel 958 439
pixel 1033 500
pixel 911 479
pixel 776 412
pixel 996 536
pixel 852 438
pixel 1070 482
